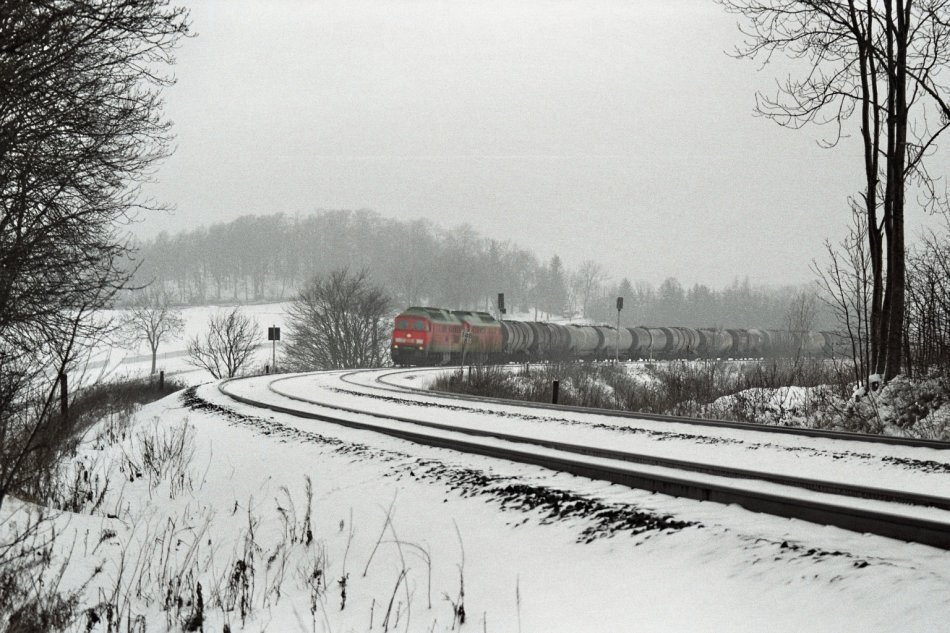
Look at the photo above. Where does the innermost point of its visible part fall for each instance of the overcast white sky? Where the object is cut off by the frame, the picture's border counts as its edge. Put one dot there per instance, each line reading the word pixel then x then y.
pixel 615 130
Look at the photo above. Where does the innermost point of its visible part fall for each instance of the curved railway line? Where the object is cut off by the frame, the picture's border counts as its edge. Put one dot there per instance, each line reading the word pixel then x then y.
pixel 863 492
pixel 658 417
pixel 839 504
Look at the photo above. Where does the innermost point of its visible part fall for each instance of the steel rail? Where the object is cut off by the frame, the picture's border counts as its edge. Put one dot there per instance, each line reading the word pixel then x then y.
pixel 890 524
pixel 660 417
pixel 817 485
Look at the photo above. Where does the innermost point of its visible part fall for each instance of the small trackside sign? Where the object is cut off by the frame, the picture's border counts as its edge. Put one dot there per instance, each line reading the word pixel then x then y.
pixel 273 334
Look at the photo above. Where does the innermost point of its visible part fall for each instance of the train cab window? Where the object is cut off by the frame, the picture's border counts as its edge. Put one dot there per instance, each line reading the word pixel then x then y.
pixel 402 324
pixel 419 326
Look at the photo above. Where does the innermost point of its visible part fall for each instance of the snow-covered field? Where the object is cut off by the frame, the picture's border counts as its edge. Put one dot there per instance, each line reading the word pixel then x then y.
pixel 118 357
pixel 412 533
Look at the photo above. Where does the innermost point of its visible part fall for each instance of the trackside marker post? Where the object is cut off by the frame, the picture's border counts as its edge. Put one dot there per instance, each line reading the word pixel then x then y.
pixel 619 308
pixel 466 337
pixel 554 389
pixel 273 334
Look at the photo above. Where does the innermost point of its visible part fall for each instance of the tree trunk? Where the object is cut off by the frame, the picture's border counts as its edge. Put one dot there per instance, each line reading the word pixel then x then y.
pixel 895 243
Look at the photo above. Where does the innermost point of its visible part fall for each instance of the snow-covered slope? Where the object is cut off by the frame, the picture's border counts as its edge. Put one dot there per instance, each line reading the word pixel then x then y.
pixel 533 550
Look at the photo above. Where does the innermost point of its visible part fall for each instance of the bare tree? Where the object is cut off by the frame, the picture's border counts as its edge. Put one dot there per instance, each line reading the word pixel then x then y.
pixel 845 284
pixel 152 317
pixel 590 277
pixel 338 321
pixel 550 290
pixel 800 317
pixel 572 308
pixel 928 304
pixel 885 60
pixel 80 126
pixel 227 345
pixel 801 313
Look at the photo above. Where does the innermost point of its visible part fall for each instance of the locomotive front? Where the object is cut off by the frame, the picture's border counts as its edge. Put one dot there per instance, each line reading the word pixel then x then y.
pixel 426 336
pixel 410 340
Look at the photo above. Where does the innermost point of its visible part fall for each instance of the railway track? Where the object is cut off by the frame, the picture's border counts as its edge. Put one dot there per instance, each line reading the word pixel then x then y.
pixel 838 504
pixel 816 485
pixel 748 426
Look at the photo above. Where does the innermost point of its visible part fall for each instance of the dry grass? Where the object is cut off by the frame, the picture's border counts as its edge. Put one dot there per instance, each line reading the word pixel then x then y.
pixel 39 476
pixel 673 388
pixel 52 478
pixel 180 567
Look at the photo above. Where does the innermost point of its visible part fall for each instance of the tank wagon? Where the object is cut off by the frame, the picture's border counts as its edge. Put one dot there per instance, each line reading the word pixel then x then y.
pixel 435 336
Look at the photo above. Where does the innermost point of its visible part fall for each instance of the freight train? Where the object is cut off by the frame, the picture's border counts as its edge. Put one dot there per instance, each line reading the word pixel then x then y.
pixel 436 336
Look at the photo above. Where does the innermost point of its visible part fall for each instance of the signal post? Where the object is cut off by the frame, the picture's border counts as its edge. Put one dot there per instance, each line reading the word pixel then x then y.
pixel 619 308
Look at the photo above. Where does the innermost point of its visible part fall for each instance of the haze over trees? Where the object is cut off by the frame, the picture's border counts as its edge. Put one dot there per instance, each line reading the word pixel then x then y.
pixel 884 62
pixel 268 258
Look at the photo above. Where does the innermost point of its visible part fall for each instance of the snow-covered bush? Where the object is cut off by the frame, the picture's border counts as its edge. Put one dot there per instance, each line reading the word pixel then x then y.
pixel 904 406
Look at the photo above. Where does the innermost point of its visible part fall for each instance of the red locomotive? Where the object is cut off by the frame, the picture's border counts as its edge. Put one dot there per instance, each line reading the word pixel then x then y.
pixel 432 336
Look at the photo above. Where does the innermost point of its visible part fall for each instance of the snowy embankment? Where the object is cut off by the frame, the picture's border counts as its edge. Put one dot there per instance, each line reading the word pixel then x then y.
pixel 398 537
pixel 918 408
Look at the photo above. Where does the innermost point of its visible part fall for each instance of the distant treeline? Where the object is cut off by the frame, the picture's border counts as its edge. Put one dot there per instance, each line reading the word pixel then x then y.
pixel 266 258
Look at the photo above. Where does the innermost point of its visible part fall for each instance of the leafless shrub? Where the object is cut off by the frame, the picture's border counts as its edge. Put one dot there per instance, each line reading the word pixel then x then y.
pixel 164 453
pixel 674 387
pixel 382 533
pixel 226 346
pixel 312 573
pixel 928 305
pixel 426 557
pixel 338 321
pixel 158 564
pixel 846 282
pixel 389 607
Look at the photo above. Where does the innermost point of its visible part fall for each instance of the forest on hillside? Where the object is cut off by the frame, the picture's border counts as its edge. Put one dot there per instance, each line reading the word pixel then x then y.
pixel 267 258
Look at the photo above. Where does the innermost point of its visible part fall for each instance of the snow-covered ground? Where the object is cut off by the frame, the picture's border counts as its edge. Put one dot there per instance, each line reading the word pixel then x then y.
pixel 519 547
pixel 398 536
pixel 118 357
pixel 920 470
pixel 902 408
